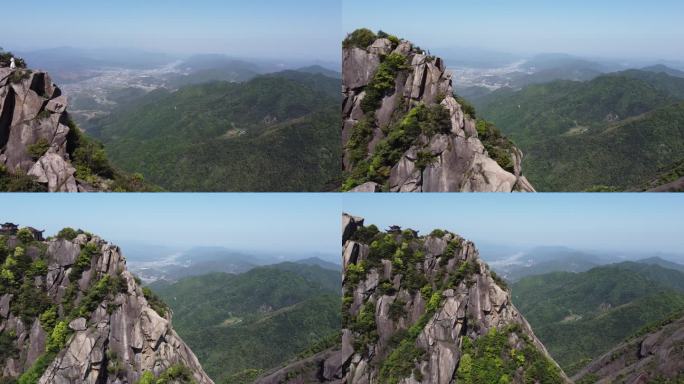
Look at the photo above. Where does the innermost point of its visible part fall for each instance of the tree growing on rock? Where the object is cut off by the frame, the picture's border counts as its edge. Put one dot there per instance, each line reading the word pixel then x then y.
pixel 6 58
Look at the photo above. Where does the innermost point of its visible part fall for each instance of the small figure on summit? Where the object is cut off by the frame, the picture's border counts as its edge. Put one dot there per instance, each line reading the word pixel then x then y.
pixel 12 64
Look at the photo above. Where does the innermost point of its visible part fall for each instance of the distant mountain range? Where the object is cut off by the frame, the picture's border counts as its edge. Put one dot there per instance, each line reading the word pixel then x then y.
pixel 170 265
pixel 543 260
pixel 67 64
pixel 513 264
pixel 479 72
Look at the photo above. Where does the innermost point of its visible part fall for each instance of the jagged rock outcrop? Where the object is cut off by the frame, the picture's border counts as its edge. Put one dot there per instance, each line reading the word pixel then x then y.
pixel 674 186
pixel 33 111
pixel 426 309
pixel 38 141
pixel 441 150
pixel 70 312
pixel 656 356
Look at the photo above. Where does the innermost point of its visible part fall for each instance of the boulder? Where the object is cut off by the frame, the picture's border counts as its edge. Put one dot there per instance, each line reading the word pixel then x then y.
pixel 349 225
pixel 358 67
pixel 367 187
pixel 381 46
pixel 56 172
pixel 5 304
pixel 78 324
pixel 33 116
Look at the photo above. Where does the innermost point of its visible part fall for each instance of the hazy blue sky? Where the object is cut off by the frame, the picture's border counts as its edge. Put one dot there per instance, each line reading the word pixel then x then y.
pixel 252 28
pixel 258 222
pixel 612 221
pixel 609 28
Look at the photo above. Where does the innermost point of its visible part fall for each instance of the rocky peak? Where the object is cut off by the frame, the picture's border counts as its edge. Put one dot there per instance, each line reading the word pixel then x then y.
pixel 426 309
pixel 71 312
pixel 404 131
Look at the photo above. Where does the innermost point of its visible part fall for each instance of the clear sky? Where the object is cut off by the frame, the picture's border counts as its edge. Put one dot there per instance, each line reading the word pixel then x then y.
pixel 606 28
pixel 244 28
pixel 613 221
pixel 258 222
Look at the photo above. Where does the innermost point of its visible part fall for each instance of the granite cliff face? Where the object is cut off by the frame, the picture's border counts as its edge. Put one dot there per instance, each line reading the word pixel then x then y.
pixel 70 312
pixel 426 309
pixel 656 356
pixel 404 131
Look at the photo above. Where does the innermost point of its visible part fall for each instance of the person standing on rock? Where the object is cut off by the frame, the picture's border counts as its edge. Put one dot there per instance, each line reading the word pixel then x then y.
pixel 12 64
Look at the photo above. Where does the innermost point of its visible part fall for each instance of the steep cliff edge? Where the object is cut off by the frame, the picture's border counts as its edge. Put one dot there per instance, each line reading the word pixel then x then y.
pixel 70 312
pixel 41 149
pixel 404 131
pixel 653 355
pixel 426 309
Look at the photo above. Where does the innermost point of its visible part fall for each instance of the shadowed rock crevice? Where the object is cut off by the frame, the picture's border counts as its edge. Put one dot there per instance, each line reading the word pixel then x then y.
pixel 6 117
pixel 38 85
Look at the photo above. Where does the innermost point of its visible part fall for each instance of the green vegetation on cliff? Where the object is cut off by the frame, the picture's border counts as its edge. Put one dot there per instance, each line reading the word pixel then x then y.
pixel 403 305
pixel 400 136
pixel 490 359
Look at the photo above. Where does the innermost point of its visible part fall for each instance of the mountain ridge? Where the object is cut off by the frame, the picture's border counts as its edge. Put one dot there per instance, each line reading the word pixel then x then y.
pixel 449 318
